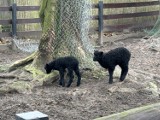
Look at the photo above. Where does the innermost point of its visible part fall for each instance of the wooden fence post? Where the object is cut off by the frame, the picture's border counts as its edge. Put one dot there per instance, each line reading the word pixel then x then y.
pixel 100 22
pixel 14 20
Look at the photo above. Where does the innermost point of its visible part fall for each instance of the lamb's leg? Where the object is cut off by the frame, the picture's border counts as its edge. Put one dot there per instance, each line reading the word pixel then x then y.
pixel 124 72
pixel 110 75
pixel 78 75
pixel 61 81
pixel 70 73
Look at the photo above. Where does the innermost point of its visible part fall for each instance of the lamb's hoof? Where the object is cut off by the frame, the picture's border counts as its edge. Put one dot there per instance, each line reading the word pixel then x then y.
pixel 60 84
pixel 78 84
pixel 68 85
pixel 63 85
pixel 121 80
pixel 110 82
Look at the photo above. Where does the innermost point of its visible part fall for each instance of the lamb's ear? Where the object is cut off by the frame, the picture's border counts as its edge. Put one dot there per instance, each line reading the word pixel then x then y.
pixel 96 51
pixel 47 64
pixel 101 53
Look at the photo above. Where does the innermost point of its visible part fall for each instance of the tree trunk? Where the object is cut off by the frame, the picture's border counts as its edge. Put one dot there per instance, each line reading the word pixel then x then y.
pixel 71 26
pixel 62 36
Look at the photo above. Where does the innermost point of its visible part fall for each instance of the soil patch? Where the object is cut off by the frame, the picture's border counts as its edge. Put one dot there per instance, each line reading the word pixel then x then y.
pixel 95 97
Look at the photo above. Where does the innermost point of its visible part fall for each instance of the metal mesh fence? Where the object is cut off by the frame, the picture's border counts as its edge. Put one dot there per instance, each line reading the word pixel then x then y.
pixel 26 45
pixel 70 22
pixel 154 36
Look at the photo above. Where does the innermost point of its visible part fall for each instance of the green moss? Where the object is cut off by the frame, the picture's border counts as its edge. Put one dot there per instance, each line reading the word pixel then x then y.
pixel 48 76
pixel 4 68
pixel 99 73
pixel 39 77
pixel 153 87
pixel 15 87
pixel 41 12
pixel 46 13
pixel 123 115
pixel 20 86
pixel 35 72
pixel 3 90
pixel 95 74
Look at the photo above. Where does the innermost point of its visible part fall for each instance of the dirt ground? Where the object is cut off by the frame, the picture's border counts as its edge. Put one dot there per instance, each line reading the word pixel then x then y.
pixel 95 97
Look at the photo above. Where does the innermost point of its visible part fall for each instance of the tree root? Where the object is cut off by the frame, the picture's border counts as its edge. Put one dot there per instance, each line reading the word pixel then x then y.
pixel 22 62
pixel 7 76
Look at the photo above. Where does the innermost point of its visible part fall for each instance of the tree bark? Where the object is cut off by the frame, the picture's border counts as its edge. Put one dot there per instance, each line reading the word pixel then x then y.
pixel 23 62
pixel 55 42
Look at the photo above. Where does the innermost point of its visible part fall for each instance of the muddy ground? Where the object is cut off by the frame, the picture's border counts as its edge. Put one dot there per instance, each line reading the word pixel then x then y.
pixel 95 97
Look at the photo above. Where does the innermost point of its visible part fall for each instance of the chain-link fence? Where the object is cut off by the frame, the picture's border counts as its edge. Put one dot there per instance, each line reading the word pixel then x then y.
pixel 71 27
pixel 70 21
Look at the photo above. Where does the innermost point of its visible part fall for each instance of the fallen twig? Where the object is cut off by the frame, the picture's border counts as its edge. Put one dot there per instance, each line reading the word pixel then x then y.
pixel 7 76
pixel 22 62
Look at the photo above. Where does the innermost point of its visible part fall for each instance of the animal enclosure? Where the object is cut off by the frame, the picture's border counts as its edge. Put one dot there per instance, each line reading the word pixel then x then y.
pixel 102 18
pixel 15 21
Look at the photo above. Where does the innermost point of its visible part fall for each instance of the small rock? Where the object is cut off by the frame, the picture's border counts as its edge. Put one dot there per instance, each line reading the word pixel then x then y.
pixel 130 90
pixel 117 72
pixel 113 89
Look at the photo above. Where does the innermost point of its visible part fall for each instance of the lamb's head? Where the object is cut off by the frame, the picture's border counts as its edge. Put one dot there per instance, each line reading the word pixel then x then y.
pixel 48 68
pixel 97 55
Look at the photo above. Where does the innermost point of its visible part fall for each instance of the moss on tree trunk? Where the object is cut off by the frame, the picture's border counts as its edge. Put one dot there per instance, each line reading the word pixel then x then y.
pixel 52 46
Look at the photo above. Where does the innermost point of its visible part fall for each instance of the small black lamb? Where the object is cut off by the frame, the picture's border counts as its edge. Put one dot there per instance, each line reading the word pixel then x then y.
pixel 70 63
pixel 119 56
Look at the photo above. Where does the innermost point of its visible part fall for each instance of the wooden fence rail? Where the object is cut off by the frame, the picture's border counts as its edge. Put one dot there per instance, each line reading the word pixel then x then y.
pixel 131 4
pixel 101 6
pixel 100 17
pixel 14 21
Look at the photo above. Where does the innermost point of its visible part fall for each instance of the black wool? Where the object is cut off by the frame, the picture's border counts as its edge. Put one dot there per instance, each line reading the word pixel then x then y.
pixel 119 56
pixel 61 64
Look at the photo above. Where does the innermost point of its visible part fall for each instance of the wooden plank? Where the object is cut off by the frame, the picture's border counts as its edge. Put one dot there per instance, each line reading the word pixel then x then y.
pixel 20 21
pixel 5 34
pixel 149 112
pixel 21 34
pixel 5 22
pixel 21 8
pixel 93 29
pixel 130 15
pixel 100 22
pixel 8 8
pixel 14 19
pixel 29 33
pixel 131 4
pixel 33 20
pixel 94 17
pixel 127 15
pixel 131 26
pixel 94 5
pixel 28 8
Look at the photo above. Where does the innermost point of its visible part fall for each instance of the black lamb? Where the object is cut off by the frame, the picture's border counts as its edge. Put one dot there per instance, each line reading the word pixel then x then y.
pixel 70 63
pixel 119 56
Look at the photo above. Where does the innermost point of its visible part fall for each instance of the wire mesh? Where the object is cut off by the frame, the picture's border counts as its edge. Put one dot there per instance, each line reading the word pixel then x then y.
pixel 26 45
pixel 71 24
pixel 71 21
